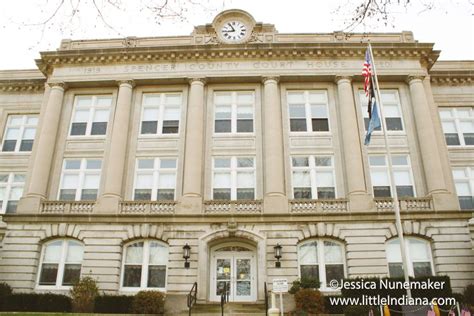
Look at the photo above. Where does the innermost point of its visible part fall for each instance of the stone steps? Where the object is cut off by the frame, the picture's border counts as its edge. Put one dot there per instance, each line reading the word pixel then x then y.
pixel 230 309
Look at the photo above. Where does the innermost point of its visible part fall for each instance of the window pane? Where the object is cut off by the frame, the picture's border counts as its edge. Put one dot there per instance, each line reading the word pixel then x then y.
pixel 221 180
pixel 323 161
pixel 70 181
pixel 168 163
pixel 405 191
pixel 99 128
pixel 382 191
pixel 221 194
pixel 11 207
pixel 104 100
pixel 144 181
pixel 134 253
pixel 223 98
pixel 16 193
pixel 151 114
pixel 319 111
pixel 402 177
pixel 332 252
pixel 377 160
pixel 320 125
pixel 326 193
pixel 244 126
pixel 67 194
pixel 395 270
pixel 75 252
pixel 244 162
pixel 132 275
pixel 93 164
pixel 419 250
pixel 91 181
pixel 223 112
pixel 222 126
pixel 101 115
pixel 296 97
pixel 298 125
pixel 156 276
pixel 301 179
pixel 466 202
pixel 3 178
pixel 245 194
pixel 245 180
pixel 78 128
pixel 462 188
pixel 172 113
pixel 49 273
pixel 300 161
pixel 26 145
pixel 173 98
pixel 72 274
pixel 146 163
pixel 334 272
pixel 9 145
pixel 89 194
pixel 165 194
pixel 149 127
pixel 222 162
pixel 29 133
pixel 170 127
pixel 324 178
pixel 308 253
pixel 18 178
pixel 302 193
pixel 309 271
pixel 400 160
pixel 167 180
pixel 468 138
pixel 379 178
pixel 81 115
pixel 158 254
pixel 73 164
pixel 32 120
pixel 52 252
pixel 422 269
pixel 452 139
pixel 244 97
pixel 449 127
pixel 394 123
pixel 142 194
pixel 317 97
pixel 297 111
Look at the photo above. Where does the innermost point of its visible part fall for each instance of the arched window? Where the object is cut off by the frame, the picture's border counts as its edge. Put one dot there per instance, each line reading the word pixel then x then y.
pixel 61 262
pixel 144 265
pixel 418 252
pixel 322 259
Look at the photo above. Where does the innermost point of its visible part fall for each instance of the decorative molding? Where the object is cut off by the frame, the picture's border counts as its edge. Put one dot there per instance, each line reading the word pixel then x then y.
pixel 202 81
pixel 61 85
pixel 411 78
pixel 270 78
pixel 343 78
pixel 320 230
pixel 452 80
pixel 145 231
pixel 127 82
pixel 413 228
pixel 22 86
pixel 59 230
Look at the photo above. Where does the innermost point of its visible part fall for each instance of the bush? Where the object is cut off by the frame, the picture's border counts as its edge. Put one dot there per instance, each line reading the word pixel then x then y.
pixel 32 302
pixel 468 295
pixel 149 302
pixel 117 304
pixel 333 308
pixel 309 301
pixel 5 292
pixel 83 295
pixel 304 283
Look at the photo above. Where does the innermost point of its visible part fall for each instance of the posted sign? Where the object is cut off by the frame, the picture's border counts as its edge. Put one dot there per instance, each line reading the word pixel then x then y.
pixel 280 285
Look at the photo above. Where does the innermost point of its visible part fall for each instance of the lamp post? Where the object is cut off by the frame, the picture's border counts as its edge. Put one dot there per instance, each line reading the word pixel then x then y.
pixel 277 250
pixel 186 255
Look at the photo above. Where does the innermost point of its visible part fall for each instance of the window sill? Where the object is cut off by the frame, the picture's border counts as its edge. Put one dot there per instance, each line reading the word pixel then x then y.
pixel 158 136
pixel 134 290
pixel 53 287
pixel 86 137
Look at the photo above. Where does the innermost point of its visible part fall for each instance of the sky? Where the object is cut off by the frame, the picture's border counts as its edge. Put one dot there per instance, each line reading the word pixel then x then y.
pixel 450 25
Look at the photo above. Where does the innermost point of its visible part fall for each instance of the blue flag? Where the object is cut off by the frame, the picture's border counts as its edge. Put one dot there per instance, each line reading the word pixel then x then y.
pixel 374 122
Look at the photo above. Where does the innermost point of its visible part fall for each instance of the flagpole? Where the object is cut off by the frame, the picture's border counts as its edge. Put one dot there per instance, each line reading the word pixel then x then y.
pixel 396 206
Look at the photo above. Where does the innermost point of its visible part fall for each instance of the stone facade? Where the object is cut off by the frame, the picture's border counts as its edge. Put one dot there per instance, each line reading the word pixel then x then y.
pixel 270 65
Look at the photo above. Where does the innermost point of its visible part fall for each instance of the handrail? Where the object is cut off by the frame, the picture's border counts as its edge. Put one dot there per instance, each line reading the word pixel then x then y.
pixel 192 297
pixel 266 297
pixel 224 298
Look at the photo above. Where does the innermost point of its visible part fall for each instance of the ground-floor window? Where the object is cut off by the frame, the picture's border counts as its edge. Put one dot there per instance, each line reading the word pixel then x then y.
pixel 145 265
pixel 418 252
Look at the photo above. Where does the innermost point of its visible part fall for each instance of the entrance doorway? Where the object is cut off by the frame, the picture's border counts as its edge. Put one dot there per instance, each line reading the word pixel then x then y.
pixel 233 267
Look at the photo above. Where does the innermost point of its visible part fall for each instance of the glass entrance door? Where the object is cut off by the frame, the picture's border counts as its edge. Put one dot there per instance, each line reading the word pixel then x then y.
pixel 234 272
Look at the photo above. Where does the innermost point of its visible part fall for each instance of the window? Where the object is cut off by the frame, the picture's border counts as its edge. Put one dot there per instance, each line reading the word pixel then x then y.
pixel 234 112
pixel 61 263
pixel 20 133
pixel 458 126
pixel 391 110
pixel 11 190
pixel 161 113
pixel 381 178
pixel 155 179
pixel 91 115
pixel 464 181
pixel 80 179
pixel 234 178
pixel 308 111
pixel 418 252
pixel 323 260
pixel 145 265
pixel 313 177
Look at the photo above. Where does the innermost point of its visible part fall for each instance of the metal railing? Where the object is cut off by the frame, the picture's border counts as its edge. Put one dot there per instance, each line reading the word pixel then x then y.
pixel 192 297
pixel 266 297
pixel 224 297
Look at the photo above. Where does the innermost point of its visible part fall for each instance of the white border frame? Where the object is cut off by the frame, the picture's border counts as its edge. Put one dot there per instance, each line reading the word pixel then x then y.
pixel 233 112
pixel 92 109
pixel 82 171
pixel 233 174
pixel 313 169
pixel 161 110
pixel 23 126
pixel 156 172
pixel 308 115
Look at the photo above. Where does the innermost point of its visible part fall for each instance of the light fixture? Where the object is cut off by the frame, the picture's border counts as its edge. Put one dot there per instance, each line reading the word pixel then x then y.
pixel 186 255
pixel 277 249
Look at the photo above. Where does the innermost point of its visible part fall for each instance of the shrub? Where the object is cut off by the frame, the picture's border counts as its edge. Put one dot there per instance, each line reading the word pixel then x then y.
pixel 304 283
pixel 5 292
pixel 333 308
pixel 309 301
pixel 117 304
pixel 149 302
pixel 83 295
pixel 32 302
pixel 468 294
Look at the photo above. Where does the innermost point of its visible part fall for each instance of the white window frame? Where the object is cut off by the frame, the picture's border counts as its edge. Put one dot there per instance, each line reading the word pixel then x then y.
pixel 468 178
pixel 156 172
pixel 234 112
pixel 145 264
pixel 81 172
pixel 363 100
pixel 313 169
pixel 408 254
pixel 61 264
pixel 8 186
pixel 395 168
pixel 321 260
pixel 161 111
pixel 457 120
pixel 308 114
pixel 23 126
pixel 92 109
pixel 233 174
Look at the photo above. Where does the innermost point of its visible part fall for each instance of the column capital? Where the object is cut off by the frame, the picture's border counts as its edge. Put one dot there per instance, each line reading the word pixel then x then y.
pixel 341 78
pixel 197 80
pixel 411 78
pixel 270 78
pixel 128 82
pixel 58 84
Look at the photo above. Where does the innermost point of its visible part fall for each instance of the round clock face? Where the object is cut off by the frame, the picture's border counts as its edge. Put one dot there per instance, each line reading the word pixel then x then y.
pixel 233 31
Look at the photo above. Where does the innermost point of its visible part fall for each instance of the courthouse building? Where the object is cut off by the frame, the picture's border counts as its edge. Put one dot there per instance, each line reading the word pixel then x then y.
pixel 116 153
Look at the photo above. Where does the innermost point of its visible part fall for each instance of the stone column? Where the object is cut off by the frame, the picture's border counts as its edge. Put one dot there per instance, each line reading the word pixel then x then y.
pixel 432 166
pixel 359 198
pixel 275 199
pixel 191 201
pixel 113 168
pixel 45 147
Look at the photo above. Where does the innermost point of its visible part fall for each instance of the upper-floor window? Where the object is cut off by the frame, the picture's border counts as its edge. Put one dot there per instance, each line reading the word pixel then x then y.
pixel 80 179
pixel 144 265
pixel 464 181
pixel 380 176
pixel 20 133
pixel 91 115
pixel 11 190
pixel 458 125
pixel 155 179
pixel 313 177
pixel 418 252
pixel 323 260
pixel 308 111
pixel 234 112
pixel 233 178
pixel 61 263
pixel 161 113
pixel 392 111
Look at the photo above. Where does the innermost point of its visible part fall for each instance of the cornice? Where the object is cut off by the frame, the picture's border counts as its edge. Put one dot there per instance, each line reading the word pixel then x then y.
pixel 36 85
pixel 452 79
pixel 50 60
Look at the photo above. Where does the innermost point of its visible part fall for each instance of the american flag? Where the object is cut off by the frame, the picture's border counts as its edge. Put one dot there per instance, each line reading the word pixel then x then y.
pixel 367 72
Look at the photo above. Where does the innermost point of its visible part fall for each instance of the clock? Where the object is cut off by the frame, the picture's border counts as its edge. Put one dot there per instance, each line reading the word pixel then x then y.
pixel 233 31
